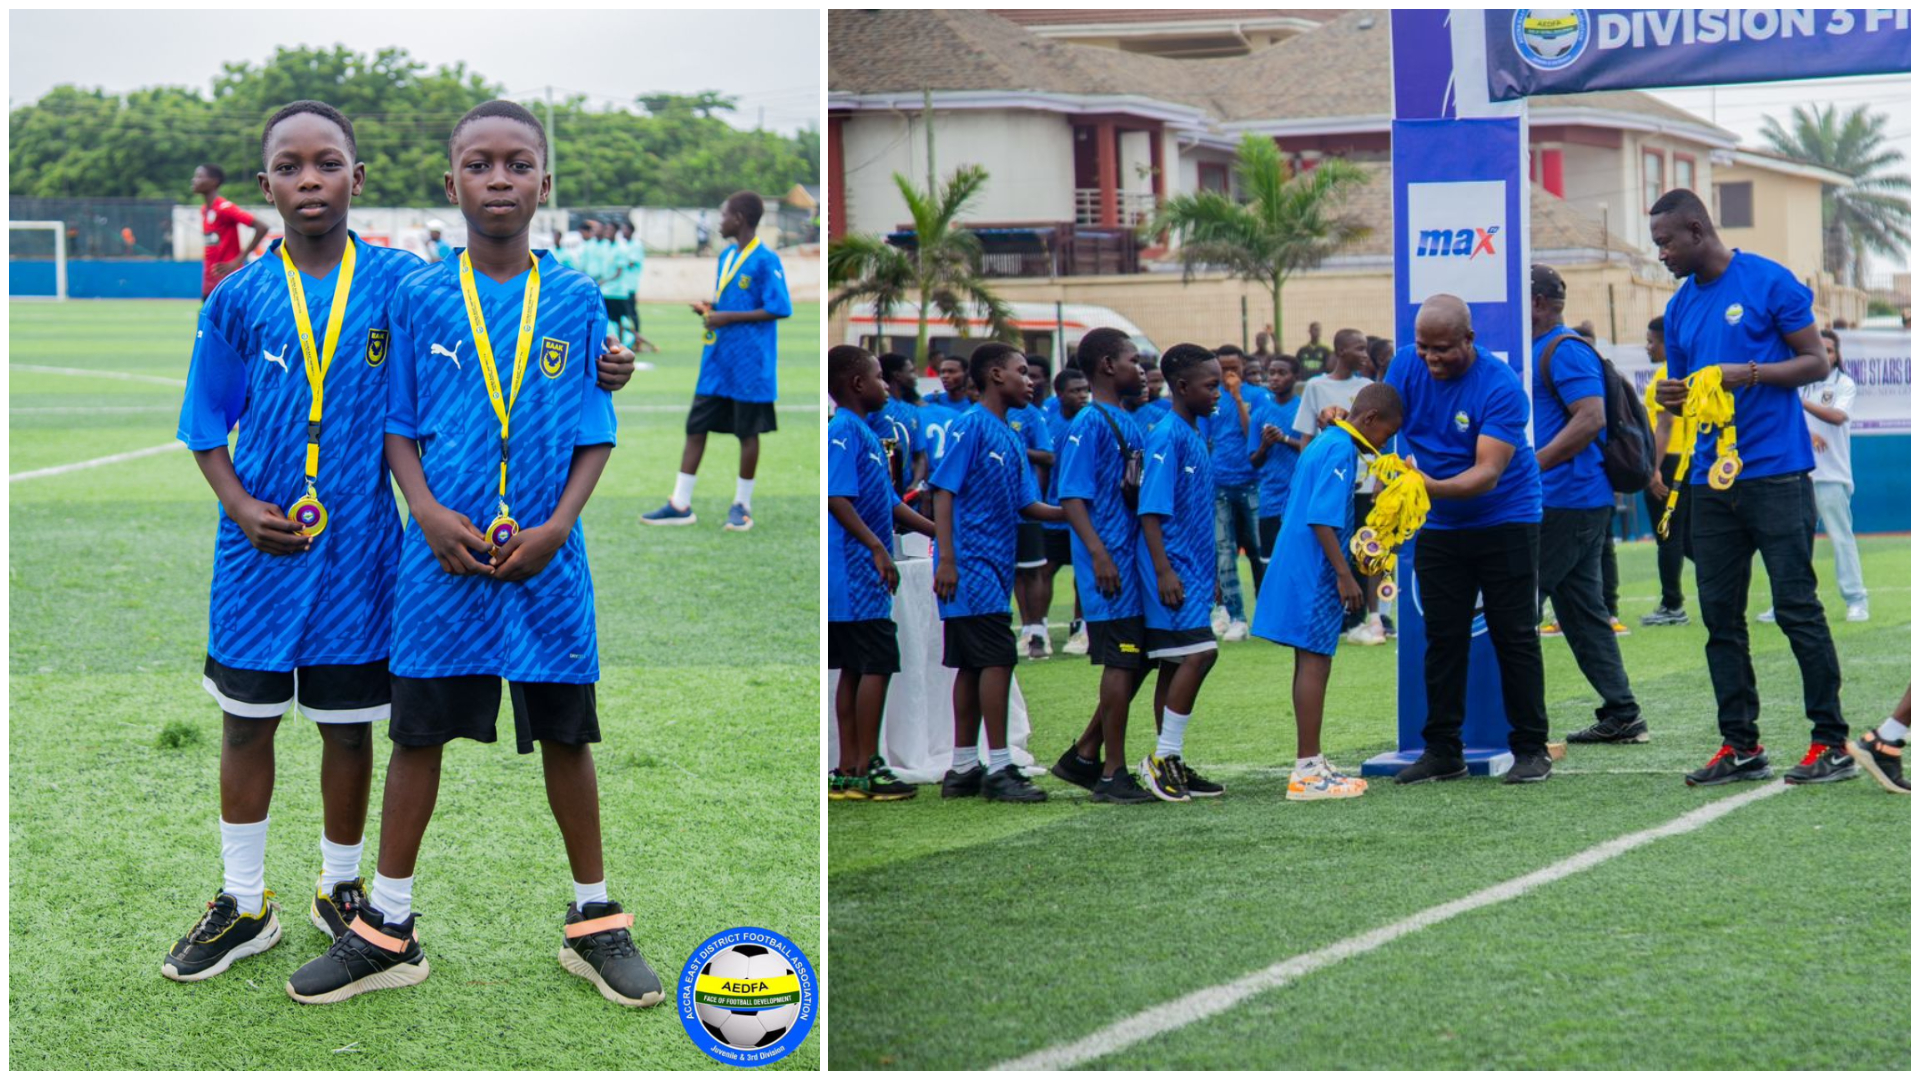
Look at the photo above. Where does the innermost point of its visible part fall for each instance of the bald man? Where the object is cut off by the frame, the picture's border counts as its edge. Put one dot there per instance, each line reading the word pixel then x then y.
pixel 1466 430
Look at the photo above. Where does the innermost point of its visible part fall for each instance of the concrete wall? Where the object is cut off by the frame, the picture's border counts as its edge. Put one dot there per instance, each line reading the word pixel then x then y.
pixel 1028 157
pixel 1786 218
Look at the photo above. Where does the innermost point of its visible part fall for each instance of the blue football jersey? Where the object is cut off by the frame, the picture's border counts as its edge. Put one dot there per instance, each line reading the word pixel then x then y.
pixel 1302 606
pixel 857 470
pixel 935 422
pixel 1177 486
pixel 1057 428
pixel 1231 445
pixel 1276 475
pixel 986 469
pixel 1091 466
pixel 741 362
pixel 1153 412
pixel 540 629
pixel 331 605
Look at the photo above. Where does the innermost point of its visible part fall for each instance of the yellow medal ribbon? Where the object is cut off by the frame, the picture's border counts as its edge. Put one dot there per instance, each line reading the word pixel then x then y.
pixel 503 527
pixel 1709 405
pixel 1399 510
pixel 308 513
pixel 728 268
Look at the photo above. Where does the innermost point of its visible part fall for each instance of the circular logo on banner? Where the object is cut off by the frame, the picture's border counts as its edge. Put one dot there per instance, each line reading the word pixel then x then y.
pixel 1550 39
pixel 747 997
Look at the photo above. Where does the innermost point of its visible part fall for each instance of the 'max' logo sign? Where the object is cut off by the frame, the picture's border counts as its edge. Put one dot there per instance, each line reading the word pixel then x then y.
pixel 1457 238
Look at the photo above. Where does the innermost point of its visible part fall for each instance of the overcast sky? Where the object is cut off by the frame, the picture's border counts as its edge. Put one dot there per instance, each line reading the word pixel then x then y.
pixel 767 59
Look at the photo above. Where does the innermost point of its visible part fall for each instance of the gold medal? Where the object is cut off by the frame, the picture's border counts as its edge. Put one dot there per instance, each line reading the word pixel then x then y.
pixel 502 528
pixel 308 513
pixel 1388 590
pixel 1726 469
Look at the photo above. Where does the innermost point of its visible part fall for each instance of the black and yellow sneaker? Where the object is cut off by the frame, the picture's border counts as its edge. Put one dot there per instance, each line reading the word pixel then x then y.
pixel 1881 759
pixel 836 786
pixel 1011 785
pixel 1121 788
pixel 599 948
pixel 855 789
pixel 224 934
pixel 1073 771
pixel 334 910
pixel 1164 777
pixel 1197 786
pixel 883 786
pixel 963 785
pixel 371 955
pixel 1823 765
pixel 1729 765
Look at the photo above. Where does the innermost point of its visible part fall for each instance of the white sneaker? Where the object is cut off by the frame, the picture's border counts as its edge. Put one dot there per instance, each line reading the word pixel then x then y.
pixel 1766 616
pixel 1237 630
pixel 1077 644
pixel 1046 642
pixel 1219 621
pixel 1856 613
pixel 1367 634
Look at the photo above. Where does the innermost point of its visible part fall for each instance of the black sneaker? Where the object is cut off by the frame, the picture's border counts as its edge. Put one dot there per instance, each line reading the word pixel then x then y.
pixel 371 955
pixel 1121 788
pixel 1037 647
pixel 1011 785
pixel 1164 777
pixel 1665 616
pixel 883 786
pixel 1882 760
pixel 1529 767
pixel 1068 768
pixel 1823 765
pixel 1430 768
pixel 1611 730
pixel 333 911
pixel 963 785
pixel 224 934
pixel 599 948
pixel 1197 786
pixel 1730 765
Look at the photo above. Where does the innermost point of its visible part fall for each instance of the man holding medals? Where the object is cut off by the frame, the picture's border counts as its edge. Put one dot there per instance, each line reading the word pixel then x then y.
pixel 1749 317
pixel 737 387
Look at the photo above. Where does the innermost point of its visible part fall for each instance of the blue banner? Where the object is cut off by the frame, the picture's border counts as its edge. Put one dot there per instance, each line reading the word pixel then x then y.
pixel 1571 50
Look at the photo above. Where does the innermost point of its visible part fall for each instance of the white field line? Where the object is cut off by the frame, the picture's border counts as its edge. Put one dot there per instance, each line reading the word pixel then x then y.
pixel 1202 1004
pixel 90 373
pixel 86 410
pixel 110 459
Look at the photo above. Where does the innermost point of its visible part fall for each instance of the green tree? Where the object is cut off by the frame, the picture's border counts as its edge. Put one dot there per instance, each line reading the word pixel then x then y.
pixel 1288 222
pixel 1871 214
pixel 942 271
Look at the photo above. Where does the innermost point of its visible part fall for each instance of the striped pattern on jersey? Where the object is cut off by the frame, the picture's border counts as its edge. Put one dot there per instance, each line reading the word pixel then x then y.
pixel 1177 485
pixel 987 471
pixel 1091 467
pixel 857 470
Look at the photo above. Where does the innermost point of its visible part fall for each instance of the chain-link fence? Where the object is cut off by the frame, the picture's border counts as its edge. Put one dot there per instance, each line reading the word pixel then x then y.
pixel 96 228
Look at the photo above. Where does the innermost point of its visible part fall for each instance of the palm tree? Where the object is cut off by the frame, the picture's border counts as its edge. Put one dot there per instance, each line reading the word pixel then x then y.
pixel 1873 214
pixel 943 269
pixel 1288 223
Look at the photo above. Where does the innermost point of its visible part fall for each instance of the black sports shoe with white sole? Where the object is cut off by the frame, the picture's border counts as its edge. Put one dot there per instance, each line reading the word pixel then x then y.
pixel 599 948
pixel 1529 767
pixel 1430 768
pixel 1823 765
pixel 962 785
pixel 1881 759
pixel 371 955
pixel 1070 769
pixel 1196 785
pixel 1121 788
pixel 334 910
pixel 1611 730
pixel 1730 766
pixel 224 934
pixel 1011 785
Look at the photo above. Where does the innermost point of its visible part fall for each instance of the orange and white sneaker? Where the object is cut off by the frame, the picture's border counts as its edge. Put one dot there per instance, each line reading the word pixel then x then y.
pixel 1323 781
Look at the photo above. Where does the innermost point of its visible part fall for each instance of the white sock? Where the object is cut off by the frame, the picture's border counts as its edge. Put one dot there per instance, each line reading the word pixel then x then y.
pixel 1173 734
pixel 998 759
pixel 743 492
pixel 338 862
pixel 1038 629
pixel 1309 764
pixel 243 848
pixel 682 497
pixel 965 757
pixel 1893 730
pixel 392 897
pixel 595 893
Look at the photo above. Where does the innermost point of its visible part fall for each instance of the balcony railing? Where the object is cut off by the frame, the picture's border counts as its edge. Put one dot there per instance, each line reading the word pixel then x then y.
pixel 1135 206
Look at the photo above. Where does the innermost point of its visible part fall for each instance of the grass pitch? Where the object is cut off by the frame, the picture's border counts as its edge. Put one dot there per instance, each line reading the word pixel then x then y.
pixel 708 702
pixel 1776 937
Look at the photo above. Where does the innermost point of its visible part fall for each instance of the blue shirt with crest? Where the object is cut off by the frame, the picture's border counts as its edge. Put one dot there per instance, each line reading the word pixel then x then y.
pixel 1444 421
pixel 1302 607
pixel 1091 466
pixel 743 358
pixel 1177 486
pixel 857 470
pixel 986 469
pixel 1580 482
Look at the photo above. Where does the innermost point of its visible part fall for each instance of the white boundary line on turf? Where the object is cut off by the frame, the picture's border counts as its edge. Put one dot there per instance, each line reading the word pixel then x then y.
pixel 110 459
pixel 91 373
pixel 1202 1004
pixel 797 407
pixel 83 410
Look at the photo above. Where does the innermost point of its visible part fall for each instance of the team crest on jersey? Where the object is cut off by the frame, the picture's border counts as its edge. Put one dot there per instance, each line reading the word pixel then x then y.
pixel 746 282
pixel 1734 311
pixel 1461 421
pixel 553 357
pixel 1015 424
pixel 376 348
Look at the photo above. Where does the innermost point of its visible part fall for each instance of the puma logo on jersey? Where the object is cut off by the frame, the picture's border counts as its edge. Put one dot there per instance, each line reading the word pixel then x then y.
pixel 995 455
pixel 1074 439
pixel 841 443
pixel 1159 457
pixel 1189 470
pixel 878 460
pixel 281 359
pixel 437 349
pixel 1341 473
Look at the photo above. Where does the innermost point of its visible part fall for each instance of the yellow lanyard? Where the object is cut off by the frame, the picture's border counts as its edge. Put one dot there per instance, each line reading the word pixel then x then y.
pixel 731 266
pixel 318 361
pixel 477 321
pixel 1357 437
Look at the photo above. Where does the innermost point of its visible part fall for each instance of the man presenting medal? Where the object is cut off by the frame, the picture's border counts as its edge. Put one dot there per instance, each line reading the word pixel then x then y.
pixel 736 391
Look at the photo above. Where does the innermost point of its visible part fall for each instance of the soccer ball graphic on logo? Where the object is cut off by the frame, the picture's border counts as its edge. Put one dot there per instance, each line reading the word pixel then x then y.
pixel 1550 33
pixel 747 1030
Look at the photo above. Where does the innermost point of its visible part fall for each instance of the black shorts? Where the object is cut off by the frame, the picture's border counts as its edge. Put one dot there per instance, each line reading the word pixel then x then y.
pixel 1059 546
pixel 977 641
pixel 436 711
pixel 1118 643
pixel 1170 646
pixel 1269 532
pixel 730 417
pixel 327 693
pixel 1030 550
pixel 864 647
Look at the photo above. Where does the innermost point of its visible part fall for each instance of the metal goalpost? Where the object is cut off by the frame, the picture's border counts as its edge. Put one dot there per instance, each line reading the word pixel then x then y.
pixel 59 230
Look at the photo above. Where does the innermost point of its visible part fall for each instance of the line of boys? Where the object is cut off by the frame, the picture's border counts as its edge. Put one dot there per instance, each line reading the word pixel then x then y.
pixel 614 258
pixel 320 599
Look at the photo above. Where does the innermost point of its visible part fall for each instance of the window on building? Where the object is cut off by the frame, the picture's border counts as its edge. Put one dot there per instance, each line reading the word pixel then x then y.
pixel 1683 173
pixel 1736 204
pixel 1213 177
pixel 1653 174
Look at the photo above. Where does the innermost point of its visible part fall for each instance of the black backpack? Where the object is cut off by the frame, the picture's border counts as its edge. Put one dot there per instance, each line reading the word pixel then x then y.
pixel 1628 456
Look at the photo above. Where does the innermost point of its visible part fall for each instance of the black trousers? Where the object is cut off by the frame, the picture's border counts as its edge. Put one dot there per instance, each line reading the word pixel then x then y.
pixel 1571 572
pixel 1673 549
pixel 1609 569
pixel 1773 517
pixel 1499 563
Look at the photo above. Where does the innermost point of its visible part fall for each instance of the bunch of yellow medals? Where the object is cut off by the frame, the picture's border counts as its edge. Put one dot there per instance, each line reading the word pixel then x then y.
pixel 1709 405
pixel 1399 510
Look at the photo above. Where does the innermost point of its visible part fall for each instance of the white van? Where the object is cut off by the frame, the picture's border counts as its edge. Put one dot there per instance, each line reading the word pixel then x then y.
pixel 1045 330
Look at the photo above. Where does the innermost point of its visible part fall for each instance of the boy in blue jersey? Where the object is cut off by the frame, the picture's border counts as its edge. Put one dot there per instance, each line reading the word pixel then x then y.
pixel 1303 607
pixel 1176 568
pixel 1030 423
pixel 982 489
pixel 1070 394
pixel 736 390
pixel 1152 404
pixel 952 372
pixel 518 434
pixel 1236 508
pixel 1277 450
pixel 863 512
pixel 902 415
pixel 1094 456
pixel 935 423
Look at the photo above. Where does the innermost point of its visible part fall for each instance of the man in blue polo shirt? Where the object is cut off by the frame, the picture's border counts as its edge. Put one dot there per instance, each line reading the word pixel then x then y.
pixel 1752 318
pixel 1466 430
pixel 1576 500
